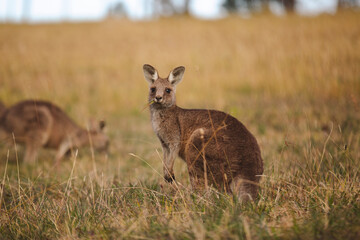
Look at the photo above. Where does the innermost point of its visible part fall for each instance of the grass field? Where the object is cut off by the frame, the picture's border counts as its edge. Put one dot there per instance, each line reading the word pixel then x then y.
pixel 293 81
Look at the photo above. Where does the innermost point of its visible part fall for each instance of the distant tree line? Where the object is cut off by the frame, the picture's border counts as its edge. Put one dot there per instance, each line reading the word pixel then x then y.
pixel 235 5
pixel 156 8
pixel 289 5
pixel 164 8
pixel 347 3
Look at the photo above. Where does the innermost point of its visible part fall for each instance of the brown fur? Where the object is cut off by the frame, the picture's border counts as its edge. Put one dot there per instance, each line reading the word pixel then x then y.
pixel 204 139
pixel 39 124
pixel 2 108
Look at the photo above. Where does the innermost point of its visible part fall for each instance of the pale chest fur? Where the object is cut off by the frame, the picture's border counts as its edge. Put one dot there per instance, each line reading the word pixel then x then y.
pixel 165 126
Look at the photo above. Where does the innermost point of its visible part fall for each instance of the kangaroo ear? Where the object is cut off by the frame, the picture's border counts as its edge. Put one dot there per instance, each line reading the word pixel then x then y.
pixel 102 124
pixel 176 75
pixel 150 73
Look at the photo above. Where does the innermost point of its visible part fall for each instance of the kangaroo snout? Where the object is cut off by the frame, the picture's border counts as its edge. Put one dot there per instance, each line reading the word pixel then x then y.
pixel 158 99
pixel 103 147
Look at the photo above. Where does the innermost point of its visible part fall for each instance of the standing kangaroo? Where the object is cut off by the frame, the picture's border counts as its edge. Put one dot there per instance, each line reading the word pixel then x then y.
pixel 216 147
pixel 42 124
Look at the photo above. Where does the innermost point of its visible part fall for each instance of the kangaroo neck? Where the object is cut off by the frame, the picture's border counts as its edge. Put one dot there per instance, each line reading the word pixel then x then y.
pixel 164 114
pixel 159 109
pixel 81 138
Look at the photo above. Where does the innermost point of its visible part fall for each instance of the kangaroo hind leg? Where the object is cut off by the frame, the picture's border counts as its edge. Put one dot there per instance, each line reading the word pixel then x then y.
pixel 246 190
pixel 204 164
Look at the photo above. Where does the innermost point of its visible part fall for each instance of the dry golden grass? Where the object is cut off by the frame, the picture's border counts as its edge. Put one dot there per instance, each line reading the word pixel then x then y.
pixel 295 82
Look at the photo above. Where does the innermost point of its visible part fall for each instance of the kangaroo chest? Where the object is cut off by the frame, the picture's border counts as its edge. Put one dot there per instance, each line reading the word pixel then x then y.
pixel 165 127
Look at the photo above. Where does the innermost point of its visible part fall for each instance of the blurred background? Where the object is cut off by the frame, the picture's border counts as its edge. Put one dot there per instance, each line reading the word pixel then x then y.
pixel 288 69
pixel 95 10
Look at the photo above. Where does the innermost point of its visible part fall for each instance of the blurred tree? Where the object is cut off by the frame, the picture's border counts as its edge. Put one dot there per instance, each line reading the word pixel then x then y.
pixel 347 3
pixel 172 7
pixel 186 7
pixel 117 10
pixel 289 5
pixel 164 8
pixel 235 5
pixel 251 5
pixel 230 5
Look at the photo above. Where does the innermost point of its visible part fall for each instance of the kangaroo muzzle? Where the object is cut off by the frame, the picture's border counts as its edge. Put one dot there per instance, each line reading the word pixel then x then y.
pixel 158 99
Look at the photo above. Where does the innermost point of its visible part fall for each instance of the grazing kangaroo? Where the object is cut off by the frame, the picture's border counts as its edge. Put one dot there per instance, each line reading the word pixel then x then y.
pixel 216 147
pixel 42 124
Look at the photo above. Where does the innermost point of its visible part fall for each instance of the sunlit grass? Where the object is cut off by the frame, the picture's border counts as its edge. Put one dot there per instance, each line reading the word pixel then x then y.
pixel 294 82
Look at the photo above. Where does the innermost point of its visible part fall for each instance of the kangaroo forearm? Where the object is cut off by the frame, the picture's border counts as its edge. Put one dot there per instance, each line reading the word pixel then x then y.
pixel 170 154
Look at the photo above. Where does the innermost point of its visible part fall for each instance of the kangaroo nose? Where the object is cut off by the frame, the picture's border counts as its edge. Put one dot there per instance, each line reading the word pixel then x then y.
pixel 158 98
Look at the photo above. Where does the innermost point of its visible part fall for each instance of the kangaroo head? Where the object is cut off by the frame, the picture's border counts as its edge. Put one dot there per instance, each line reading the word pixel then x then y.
pixel 162 90
pixel 100 140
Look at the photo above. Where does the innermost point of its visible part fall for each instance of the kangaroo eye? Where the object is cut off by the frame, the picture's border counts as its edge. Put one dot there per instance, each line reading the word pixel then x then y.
pixel 168 90
pixel 152 89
